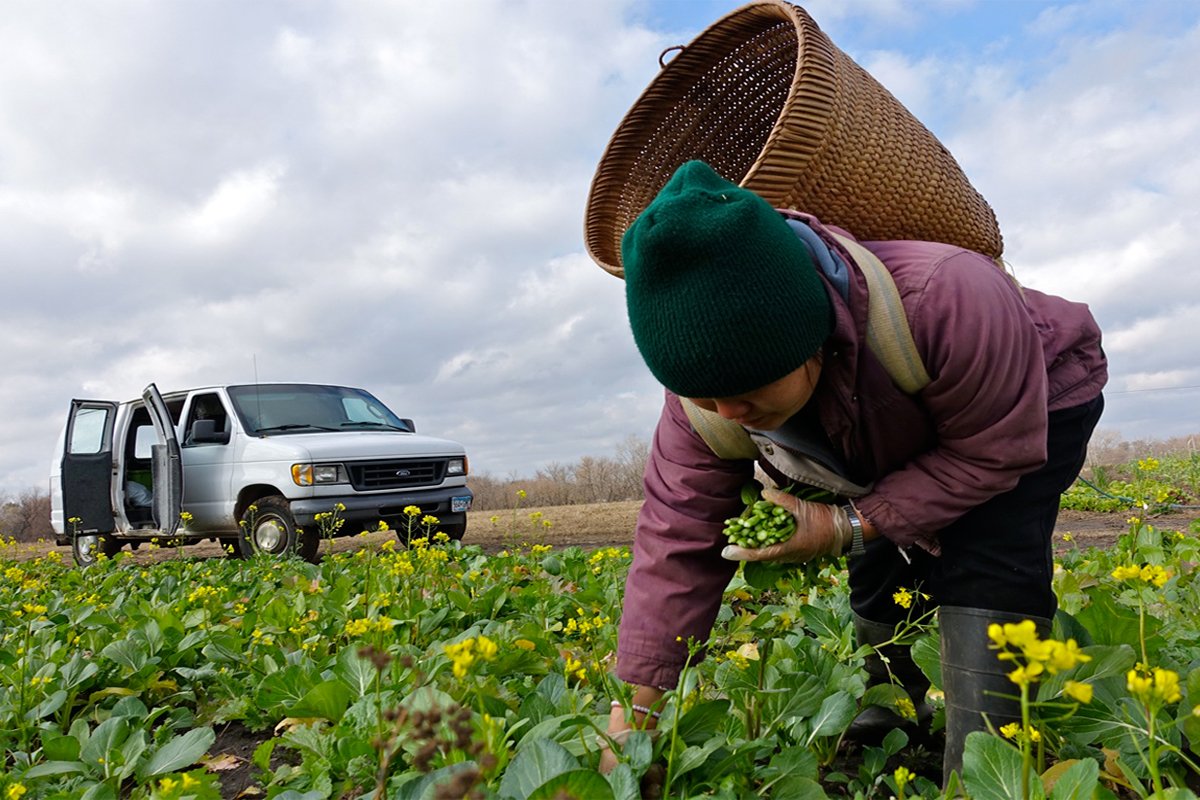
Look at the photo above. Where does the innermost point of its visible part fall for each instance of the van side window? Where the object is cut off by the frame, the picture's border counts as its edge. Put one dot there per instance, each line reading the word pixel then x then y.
pixel 206 406
pixel 87 431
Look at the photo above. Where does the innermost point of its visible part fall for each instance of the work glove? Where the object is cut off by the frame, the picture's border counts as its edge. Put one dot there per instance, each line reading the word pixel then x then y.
pixel 821 530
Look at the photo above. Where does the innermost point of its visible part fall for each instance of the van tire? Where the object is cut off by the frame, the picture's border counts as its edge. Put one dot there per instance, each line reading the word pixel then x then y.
pixel 87 549
pixel 455 531
pixel 269 527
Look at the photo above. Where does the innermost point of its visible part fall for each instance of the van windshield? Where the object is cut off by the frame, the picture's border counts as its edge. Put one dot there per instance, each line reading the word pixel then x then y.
pixel 303 408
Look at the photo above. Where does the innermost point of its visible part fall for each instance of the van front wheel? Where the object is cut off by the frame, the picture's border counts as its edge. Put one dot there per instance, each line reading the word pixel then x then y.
pixel 87 548
pixel 269 527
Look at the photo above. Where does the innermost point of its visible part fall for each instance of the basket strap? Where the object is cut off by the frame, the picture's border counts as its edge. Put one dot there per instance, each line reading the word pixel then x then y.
pixel 888 334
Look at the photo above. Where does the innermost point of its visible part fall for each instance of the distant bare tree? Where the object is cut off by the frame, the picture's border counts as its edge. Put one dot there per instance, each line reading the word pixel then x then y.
pixel 26 517
pixel 596 480
pixel 554 485
pixel 632 455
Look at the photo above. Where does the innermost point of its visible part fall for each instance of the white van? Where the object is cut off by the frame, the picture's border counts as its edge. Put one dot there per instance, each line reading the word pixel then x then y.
pixel 251 466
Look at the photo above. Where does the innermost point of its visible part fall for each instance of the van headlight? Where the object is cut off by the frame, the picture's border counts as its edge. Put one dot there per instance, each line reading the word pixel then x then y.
pixel 318 474
pixel 456 466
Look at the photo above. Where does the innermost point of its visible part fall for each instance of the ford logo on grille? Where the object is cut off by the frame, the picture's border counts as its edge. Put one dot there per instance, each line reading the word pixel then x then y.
pixel 403 473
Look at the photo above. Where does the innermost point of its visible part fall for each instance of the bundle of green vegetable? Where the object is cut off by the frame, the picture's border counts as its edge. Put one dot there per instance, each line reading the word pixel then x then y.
pixel 761 524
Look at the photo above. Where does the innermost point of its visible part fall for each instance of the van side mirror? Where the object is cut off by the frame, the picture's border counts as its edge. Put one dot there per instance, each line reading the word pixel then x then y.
pixel 204 431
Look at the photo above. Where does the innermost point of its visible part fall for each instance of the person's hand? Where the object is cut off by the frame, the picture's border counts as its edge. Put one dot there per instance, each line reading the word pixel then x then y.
pixel 821 530
pixel 622 724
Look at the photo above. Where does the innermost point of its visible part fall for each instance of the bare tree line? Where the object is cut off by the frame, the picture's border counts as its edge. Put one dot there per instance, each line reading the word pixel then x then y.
pixel 1107 448
pixel 26 517
pixel 589 480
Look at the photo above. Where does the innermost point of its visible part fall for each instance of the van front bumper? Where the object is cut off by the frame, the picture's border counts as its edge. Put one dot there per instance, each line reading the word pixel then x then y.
pixel 448 504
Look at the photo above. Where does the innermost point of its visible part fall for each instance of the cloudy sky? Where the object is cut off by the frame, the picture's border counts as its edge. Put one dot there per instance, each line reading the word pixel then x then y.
pixel 390 195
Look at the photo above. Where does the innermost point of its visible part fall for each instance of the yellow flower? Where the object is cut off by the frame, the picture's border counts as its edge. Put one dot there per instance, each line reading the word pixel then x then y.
pixel 1062 656
pixel 521 494
pixel 906 708
pixel 1025 675
pixel 902 776
pixel 740 661
pixel 903 598
pixel 1014 731
pixel 15 791
pixel 1151 685
pixel 357 627
pixel 487 648
pixel 1156 575
pixel 1077 691
pixel 412 511
pixel 167 785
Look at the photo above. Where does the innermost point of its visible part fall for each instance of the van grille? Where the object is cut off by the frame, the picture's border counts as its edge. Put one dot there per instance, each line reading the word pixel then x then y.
pixel 368 475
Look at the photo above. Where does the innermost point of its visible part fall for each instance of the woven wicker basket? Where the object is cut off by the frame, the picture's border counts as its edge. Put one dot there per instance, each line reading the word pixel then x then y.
pixel 772 104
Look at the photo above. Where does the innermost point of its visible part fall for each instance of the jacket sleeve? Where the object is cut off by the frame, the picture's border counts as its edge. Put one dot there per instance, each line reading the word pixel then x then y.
pixel 987 400
pixel 677 578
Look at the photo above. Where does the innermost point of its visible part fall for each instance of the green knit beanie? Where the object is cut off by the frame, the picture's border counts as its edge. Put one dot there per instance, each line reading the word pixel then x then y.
pixel 723 298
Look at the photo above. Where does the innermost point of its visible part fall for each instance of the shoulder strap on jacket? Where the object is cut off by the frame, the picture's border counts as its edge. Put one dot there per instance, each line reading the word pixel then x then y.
pixel 888 334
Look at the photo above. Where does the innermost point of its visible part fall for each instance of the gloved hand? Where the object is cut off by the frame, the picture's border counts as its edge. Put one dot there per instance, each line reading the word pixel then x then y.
pixel 821 530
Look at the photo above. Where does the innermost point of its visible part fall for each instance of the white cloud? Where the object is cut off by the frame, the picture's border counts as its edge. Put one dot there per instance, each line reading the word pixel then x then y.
pixel 238 202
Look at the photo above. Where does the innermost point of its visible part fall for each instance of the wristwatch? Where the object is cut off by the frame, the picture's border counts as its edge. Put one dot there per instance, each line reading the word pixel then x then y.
pixel 857 546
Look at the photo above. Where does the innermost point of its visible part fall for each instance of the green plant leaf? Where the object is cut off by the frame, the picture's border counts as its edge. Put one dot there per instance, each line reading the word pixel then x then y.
pixel 47 707
pixel 624 785
pixel 795 761
pixel 693 757
pixel 127 653
pixel 180 752
pixel 703 721
pixel 578 784
pixel 1077 782
pixel 992 769
pixel 355 671
pixel 50 768
pixel 795 787
pixel 283 688
pixel 106 739
pixel 1110 622
pixel 926 653
pixel 836 713
pixel 536 762
pixel 327 700
pixel 59 747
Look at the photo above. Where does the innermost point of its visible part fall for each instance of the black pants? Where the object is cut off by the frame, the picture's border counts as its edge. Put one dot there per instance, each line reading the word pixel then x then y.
pixel 999 555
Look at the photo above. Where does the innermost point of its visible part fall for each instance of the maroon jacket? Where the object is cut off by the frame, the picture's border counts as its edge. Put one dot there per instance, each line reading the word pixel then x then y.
pixel 999 358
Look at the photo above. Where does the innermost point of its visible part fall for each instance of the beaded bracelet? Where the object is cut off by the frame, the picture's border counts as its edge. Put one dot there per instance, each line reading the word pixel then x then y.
pixel 640 709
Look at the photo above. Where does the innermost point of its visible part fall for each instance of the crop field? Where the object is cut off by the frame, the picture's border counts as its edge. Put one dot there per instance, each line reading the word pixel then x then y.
pixel 482 669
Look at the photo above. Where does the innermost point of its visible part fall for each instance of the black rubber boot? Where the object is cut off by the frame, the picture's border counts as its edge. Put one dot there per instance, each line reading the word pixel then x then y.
pixel 975 681
pixel 875 722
